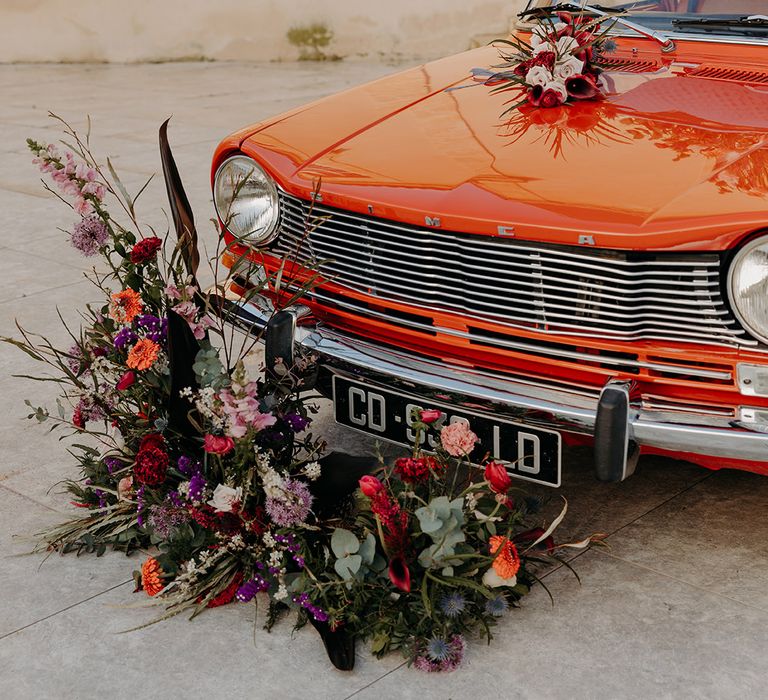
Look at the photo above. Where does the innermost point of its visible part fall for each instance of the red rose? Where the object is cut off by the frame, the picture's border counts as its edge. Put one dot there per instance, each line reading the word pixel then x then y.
pixel 145 250
pixel 151 465
pixel 126 381
pixel 551 98
pixel 370 486
pixel 498 478
pixel 218 444
pixel 430 415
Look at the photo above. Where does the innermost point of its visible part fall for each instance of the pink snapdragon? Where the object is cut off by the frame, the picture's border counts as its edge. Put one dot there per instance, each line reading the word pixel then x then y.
pixel 242 412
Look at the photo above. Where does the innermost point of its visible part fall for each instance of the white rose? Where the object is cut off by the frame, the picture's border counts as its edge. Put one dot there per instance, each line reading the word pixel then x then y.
pixel 557 87
pixel 568 67
pixel 566 46
pixel 493 580
pixel 538 75
pixel 225 497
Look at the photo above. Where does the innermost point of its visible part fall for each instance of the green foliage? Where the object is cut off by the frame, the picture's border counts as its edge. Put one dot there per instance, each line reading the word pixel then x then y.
pixel 311 39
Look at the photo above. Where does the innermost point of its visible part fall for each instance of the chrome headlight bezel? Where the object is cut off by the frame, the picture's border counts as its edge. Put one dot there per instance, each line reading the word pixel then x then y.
pixel 745 317
pixel 245 172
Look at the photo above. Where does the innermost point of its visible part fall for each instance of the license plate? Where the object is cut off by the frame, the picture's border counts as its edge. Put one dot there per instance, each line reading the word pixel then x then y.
pixel 528 453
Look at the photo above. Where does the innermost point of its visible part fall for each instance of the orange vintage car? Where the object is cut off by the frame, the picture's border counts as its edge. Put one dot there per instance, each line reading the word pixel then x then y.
pixel 596 271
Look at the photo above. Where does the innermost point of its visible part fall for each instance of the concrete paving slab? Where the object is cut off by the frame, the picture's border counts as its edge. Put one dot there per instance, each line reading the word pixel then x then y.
pixel 624 633
pixel 714 536
pixel 32 587
pixel 79 655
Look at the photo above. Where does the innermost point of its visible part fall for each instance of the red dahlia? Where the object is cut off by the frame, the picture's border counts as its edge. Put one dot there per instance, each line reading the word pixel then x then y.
pixel 415 471
pixel 151 466
pixel 145 250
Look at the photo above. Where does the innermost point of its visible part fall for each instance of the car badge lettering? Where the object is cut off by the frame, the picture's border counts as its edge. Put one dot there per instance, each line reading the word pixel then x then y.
pixel 433 222
pixel 586 240
pixel 506 230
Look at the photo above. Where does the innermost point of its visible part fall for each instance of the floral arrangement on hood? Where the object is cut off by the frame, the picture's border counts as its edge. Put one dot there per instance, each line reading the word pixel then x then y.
pixel 557 67
pixel 189 451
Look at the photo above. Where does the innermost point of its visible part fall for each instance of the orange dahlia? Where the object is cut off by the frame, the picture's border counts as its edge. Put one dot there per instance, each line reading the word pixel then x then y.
pixel 151 577
pixel 143 354
pixel 507 563
pixel 125 306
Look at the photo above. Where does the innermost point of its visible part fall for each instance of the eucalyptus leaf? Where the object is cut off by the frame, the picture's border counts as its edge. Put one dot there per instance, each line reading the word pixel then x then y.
pixel 344 543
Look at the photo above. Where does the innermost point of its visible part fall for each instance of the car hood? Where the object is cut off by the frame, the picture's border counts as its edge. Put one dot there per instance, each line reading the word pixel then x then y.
pixel 666 161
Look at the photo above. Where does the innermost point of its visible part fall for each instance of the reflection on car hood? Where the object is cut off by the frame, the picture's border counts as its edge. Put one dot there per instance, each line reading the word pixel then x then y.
pixel 665 161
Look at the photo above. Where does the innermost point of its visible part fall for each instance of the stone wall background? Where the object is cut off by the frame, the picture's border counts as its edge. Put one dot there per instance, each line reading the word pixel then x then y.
pixel 240 30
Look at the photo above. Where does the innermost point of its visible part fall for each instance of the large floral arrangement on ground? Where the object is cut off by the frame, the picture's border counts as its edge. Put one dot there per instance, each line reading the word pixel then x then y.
pixel 186 450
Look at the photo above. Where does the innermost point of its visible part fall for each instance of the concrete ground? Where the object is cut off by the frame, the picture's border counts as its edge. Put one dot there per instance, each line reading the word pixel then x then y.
pixel 676 606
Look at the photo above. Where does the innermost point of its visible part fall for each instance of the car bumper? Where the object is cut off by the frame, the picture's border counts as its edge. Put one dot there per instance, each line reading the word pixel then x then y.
pixel 619 427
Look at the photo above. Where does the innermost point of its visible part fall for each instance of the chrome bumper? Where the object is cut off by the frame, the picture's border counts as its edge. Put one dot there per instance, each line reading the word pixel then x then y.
pixel 532 402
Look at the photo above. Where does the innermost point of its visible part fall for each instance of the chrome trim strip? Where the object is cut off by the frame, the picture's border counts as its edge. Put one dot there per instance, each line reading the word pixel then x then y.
pixel 538 349
pixel 542 406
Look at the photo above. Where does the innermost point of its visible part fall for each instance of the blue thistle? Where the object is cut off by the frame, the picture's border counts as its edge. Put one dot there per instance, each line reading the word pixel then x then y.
pixel 497 606
pixel 438 649
pixel 453 605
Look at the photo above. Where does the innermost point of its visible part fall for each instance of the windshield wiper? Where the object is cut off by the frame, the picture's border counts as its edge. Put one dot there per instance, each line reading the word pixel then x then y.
pixel 615 14
pixel 754 23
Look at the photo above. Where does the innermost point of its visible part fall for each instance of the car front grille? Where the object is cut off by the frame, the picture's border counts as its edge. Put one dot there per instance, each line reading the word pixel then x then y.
pixel 552 289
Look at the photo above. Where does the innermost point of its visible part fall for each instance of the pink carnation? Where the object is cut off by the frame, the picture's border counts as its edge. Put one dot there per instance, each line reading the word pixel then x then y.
pixel 458 439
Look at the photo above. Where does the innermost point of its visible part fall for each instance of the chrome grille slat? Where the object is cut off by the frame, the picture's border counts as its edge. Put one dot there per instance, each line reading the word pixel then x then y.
pixel 524 261
pixel 430 237
pixel 551 289
pixel 710 287
pixel 551 314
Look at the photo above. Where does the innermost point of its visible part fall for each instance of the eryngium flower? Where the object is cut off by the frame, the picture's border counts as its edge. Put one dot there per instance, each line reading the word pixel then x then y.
pixel 453 604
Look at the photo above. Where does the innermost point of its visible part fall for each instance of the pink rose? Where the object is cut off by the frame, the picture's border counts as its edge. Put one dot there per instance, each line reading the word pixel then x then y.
pixel 124 488
pixel 457 439
pixel 430 415
pixel 370 486
pixel 218 444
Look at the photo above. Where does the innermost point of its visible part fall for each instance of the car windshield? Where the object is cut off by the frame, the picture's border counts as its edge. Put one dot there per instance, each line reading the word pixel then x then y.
pixel 719 16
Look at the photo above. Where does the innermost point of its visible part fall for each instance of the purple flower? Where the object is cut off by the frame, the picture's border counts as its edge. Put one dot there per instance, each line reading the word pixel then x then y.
pixel 188 467
pixel 154 328
pixel 196 487
pixel 75 359
pixel 125 336
pixel 317 612
pixel 112 463
pixel 165 518
pixel 247 592
pixel 140 505
pixel 89 235
pixel 297 422
pixel 293 506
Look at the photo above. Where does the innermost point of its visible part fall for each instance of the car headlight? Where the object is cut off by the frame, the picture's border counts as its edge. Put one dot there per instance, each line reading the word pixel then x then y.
pixel 748 287
pixel 246 200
